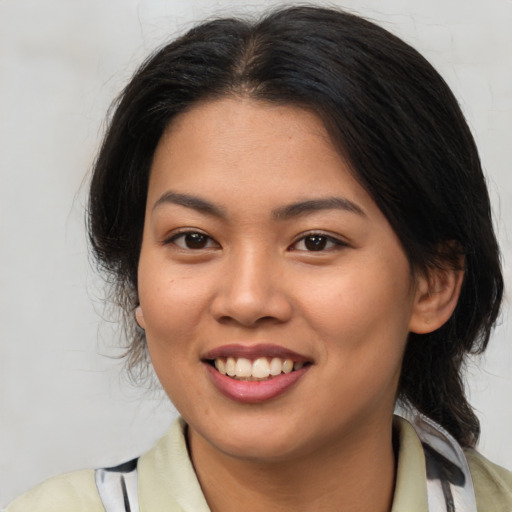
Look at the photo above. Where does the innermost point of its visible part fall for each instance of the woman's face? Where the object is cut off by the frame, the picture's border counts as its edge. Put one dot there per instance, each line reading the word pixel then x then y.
pixel 260 253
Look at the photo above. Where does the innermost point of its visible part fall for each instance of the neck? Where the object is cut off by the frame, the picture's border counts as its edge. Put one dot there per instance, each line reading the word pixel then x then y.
pixel 355 475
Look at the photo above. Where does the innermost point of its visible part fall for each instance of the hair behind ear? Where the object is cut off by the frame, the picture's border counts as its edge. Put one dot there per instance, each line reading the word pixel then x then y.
pixel 432 384
pixel 431 379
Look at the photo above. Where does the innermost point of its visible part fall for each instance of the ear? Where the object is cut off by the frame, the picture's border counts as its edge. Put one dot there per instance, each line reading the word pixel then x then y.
pixel 436 296
pixel 139 316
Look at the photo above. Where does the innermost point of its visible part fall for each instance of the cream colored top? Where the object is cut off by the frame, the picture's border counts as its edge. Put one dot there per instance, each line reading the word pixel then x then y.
pixel 167 482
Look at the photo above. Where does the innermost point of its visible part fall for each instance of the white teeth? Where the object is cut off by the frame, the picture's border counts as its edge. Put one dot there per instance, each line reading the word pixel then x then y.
pixel 231 366
pixel 221 366
pixel 262 368
pixel 276 366
pixel 287 366
pixel 243 367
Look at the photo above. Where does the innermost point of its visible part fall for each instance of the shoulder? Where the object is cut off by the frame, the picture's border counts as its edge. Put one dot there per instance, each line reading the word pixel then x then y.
pixel 493 484
pixel 69 492
pixel 166 483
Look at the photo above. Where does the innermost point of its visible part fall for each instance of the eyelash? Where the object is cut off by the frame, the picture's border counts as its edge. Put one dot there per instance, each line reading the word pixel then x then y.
pixel 184 234
pixel 324 242
pixel 330 241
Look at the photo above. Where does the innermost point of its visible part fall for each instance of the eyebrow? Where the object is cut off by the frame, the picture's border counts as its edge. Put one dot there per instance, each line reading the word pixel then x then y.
pixel 282 213
pixel 312 205
pixel 188 201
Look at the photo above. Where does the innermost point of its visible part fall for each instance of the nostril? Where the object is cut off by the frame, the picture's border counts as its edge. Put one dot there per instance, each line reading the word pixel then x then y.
pixel 249 322
pixel 250 304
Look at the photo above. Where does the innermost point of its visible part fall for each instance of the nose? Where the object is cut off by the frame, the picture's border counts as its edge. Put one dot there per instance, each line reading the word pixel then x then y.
pixel 251 290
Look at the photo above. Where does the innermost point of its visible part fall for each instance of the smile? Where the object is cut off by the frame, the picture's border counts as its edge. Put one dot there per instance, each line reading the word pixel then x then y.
pixel 262 368
pixel 255 374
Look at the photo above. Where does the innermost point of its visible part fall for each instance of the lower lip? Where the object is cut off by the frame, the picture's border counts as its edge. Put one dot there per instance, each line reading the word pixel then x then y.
pixel 255 391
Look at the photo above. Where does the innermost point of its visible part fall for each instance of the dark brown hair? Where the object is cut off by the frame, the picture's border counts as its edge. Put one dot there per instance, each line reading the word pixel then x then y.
pixel 390 114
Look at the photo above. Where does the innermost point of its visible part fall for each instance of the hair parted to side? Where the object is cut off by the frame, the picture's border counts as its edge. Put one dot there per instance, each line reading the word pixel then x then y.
pixel 391 115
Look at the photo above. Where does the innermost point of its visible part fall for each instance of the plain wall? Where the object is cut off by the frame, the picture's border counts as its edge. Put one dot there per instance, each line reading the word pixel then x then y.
pixel 64 404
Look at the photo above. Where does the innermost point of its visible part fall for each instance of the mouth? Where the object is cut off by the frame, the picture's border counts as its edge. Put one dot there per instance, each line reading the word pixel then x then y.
pixel 254 374
pixel 255 370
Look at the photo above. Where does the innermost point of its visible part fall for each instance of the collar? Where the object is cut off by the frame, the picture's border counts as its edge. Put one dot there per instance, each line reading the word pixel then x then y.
pixel 168 483
pixel 410 484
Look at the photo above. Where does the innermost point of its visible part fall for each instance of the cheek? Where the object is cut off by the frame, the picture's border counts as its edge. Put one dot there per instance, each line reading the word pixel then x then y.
pixel 173 306
pixel 362 316
pixel 173 310
pixel 351 300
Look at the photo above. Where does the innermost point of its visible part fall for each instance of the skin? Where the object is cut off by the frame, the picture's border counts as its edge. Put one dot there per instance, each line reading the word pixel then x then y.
pixel 326 443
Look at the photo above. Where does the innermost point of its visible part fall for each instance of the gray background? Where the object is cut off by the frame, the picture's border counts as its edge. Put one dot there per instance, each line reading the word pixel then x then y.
pixel 64 403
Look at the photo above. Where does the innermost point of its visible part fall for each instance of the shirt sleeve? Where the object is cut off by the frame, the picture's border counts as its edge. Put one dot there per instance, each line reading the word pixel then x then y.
pixel 69 492
pixel 493 484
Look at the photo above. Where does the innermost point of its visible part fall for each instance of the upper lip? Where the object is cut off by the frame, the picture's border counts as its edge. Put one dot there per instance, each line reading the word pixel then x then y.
pixel 254 352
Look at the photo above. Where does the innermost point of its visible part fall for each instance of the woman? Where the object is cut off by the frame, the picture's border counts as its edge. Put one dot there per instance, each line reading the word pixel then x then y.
pixel 296 221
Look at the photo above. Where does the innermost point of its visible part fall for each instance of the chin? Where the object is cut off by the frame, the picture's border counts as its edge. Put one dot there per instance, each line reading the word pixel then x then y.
pixel 266 450
pixel 263 439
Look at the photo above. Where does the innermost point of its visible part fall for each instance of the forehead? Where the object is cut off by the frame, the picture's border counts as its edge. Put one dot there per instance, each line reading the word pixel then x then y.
pixel 235 126
pixel 253 148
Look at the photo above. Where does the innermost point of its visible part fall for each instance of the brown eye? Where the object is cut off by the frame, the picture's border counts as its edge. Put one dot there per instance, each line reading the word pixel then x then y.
pixel 193 240
pixel 317 242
